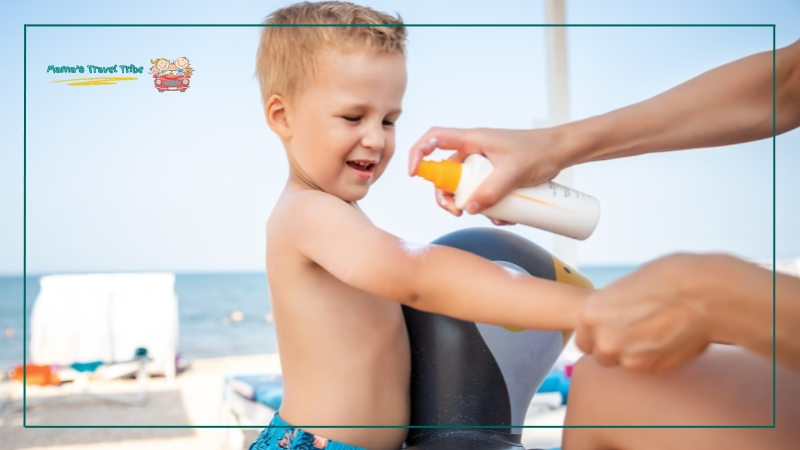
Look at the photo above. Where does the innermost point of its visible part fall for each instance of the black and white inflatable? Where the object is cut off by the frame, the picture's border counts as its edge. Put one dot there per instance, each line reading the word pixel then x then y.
pixel 466 374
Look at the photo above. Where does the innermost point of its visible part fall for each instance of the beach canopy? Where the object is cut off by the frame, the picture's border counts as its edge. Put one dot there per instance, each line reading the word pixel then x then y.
pixel 106 317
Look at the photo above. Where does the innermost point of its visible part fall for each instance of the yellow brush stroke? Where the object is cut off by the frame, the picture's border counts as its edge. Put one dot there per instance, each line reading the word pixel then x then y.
pixel 96 81
pixel 90 83
pixel 541 202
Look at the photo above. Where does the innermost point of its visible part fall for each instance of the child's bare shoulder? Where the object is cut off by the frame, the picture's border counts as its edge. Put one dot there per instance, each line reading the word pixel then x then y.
pixel 307 205
pixel 308 213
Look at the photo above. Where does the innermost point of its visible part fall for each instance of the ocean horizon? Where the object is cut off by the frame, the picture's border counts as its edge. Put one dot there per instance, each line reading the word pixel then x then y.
pixel 205 304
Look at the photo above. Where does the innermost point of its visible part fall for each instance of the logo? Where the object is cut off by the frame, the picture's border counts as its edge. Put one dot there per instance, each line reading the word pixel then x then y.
pixel 95 81
pixel 167 75
pixel 171 75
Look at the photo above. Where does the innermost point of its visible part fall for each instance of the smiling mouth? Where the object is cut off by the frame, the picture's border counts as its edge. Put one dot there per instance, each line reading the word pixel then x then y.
pixel 362 166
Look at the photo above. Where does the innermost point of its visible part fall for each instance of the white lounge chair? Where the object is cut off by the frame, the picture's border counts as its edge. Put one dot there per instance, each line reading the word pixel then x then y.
pixel 117 325
pixel 106 317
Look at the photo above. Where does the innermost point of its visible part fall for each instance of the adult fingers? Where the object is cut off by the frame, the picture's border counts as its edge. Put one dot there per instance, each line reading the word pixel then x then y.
pixel 680 356
pixel 446 201
pixel 457 157
pixel 501 223
pixel 497 185
pixel 584 339
pixel 654 361
pixel 606 351
pixel 444 138
pixel 588 319
pixel 593 337
pixel 639 362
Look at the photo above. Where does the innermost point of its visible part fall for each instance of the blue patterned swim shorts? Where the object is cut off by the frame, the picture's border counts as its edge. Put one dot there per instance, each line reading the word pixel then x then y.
pixel 287 437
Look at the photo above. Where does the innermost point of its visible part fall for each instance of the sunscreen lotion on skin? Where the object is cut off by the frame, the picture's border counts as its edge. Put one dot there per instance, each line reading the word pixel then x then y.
pixel 548 206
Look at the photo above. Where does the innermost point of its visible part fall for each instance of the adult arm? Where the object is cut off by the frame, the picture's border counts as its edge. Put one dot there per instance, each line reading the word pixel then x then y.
pixel 668 311
pixel 726 105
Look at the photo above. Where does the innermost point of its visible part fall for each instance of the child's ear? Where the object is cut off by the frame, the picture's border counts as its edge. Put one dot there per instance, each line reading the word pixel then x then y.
pixel 277 116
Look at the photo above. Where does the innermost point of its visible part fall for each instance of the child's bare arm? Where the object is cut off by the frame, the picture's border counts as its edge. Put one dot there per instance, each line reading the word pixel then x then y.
pixel 436 279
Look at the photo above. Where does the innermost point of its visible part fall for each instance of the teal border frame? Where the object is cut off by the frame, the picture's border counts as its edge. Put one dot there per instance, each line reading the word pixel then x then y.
pixel 25 206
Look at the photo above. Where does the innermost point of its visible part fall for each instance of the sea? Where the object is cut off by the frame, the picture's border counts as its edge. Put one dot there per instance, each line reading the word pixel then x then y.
pixel 206 303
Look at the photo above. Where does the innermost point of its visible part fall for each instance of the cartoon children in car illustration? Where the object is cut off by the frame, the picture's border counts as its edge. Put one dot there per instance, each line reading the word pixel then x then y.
pixel 171 75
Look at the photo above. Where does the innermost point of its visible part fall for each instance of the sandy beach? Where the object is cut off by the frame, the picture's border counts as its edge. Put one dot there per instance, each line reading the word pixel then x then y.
pixel 193 398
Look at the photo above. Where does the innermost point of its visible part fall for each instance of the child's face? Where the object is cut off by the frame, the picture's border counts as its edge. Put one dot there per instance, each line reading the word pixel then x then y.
pixel 342 123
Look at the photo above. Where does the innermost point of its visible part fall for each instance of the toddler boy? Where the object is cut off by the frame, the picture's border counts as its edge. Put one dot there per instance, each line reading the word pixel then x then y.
pixel 333 95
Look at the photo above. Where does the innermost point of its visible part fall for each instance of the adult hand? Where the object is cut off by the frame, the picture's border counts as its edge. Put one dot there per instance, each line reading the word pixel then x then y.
pixel 520 158
pixel 660 316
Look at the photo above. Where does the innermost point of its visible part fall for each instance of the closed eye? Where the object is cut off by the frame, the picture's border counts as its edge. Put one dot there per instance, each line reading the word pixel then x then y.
pixel 352 118
pixel 388 123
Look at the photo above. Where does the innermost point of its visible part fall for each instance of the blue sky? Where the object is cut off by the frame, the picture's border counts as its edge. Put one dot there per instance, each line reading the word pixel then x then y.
pixel 124 178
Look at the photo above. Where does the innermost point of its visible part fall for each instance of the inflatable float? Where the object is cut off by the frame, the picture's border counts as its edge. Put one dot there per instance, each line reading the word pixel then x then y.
pixel 467 374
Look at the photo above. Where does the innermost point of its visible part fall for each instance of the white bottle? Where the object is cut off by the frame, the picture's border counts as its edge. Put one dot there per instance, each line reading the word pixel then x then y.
pixel 548 206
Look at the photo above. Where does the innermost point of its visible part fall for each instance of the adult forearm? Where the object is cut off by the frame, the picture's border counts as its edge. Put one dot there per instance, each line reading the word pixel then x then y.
pixel 743 315
pixel 787 321
pixel 729 104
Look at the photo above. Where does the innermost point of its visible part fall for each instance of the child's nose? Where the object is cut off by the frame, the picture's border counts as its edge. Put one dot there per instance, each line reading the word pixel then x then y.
pixel 374 137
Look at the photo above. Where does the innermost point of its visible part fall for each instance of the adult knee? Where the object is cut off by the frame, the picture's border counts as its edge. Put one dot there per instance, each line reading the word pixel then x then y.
pixel 586 375
pixel 584 404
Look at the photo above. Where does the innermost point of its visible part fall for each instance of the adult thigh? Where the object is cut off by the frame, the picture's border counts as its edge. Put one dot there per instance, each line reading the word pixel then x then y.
pixel 727 386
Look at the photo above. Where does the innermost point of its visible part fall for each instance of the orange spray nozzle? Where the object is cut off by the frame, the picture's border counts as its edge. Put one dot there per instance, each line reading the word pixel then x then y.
pixel 445 175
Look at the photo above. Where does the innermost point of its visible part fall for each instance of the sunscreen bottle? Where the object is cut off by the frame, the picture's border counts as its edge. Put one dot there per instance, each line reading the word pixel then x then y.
pixel 548 206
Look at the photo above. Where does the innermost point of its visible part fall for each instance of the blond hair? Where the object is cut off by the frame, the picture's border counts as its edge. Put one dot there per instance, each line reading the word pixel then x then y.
pixel 287 54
